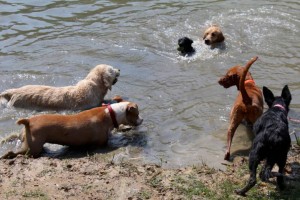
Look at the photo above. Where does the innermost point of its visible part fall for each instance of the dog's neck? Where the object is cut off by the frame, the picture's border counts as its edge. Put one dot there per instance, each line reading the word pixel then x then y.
pixel 281 107
pixel 119 110
pixel 112 116
pixel 250 81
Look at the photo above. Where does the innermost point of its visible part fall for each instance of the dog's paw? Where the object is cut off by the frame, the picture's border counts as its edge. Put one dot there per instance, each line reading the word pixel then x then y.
pixel 240 192
pixel 227 156
pixel 124 128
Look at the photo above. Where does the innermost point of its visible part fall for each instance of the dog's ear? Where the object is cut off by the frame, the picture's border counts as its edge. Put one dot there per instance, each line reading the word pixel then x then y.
pixel 117 98
pixel 286 95
pixel 269 96
pixel 132 107
pixel 221 37
pixel 190 40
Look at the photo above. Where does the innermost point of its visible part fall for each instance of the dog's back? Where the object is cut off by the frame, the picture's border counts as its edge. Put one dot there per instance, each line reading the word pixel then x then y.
pixel 272 141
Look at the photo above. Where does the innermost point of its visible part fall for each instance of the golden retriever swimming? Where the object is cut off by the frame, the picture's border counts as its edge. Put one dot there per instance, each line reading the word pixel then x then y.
pixel 213 36
pixel 87 93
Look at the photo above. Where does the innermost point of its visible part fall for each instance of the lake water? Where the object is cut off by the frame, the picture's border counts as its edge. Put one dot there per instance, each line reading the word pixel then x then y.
pixel 185 111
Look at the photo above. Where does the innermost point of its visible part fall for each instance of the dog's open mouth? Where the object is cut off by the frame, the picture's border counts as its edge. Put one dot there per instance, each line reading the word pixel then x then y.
pixel 116 80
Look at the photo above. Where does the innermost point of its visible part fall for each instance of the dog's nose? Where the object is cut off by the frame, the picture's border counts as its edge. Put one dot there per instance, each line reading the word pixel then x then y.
pixel 206 42
pixel 118 72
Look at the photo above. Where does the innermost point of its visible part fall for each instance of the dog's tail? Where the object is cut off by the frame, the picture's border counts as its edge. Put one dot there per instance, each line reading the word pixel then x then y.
pixel 246 98
pixel 23 121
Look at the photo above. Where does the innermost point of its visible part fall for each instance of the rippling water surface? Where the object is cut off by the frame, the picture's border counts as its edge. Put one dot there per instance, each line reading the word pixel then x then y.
pixel 185 111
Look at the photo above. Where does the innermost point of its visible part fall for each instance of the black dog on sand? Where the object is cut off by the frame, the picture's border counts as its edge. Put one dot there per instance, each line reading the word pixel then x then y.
pixel 272 140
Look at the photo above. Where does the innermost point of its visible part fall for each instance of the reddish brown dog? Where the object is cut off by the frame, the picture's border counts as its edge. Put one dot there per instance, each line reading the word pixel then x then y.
pixel 88 127
pixel 248 105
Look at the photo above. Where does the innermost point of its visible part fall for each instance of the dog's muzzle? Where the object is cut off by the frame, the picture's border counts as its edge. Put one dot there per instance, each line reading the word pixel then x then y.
pixel 180 48
pixel 224 82
pixel 207 42
pixel 116 78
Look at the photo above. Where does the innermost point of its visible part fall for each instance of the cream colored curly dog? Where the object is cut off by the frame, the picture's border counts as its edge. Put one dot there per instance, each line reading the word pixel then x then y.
pixel 87 93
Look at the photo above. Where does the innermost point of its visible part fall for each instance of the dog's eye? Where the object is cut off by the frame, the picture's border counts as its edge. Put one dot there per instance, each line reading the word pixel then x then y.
pixel 213 34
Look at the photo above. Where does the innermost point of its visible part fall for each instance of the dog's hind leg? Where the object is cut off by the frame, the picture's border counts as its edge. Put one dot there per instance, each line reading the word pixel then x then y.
pixel 280 180
pixel 23 150
pixel 12 154
pixel 253 163
pixel 235 120
pixel 265 173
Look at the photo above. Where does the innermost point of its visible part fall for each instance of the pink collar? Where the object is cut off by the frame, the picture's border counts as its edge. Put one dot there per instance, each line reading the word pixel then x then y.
pixel 112 116
pixel 249 81
pixel 280 106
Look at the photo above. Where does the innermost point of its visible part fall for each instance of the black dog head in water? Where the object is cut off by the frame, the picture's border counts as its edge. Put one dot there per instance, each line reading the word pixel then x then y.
pixel 185 46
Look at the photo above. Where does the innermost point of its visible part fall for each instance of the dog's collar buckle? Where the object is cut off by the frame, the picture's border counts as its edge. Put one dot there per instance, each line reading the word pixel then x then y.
pixel 112 116
pixel 249 81
pixel 280 106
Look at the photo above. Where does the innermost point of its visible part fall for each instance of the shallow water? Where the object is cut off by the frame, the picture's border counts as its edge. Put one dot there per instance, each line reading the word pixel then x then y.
pixel 185 111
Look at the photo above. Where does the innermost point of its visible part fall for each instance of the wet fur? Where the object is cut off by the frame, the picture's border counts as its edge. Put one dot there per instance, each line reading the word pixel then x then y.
pixel 90 127
pixel 213 36
pixel 87 93
pixel 248 105
pixel 185 46
pixel 272 141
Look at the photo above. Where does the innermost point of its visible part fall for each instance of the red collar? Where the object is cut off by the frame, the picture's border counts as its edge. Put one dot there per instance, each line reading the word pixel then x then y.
pixel 112 116
pixel 249 81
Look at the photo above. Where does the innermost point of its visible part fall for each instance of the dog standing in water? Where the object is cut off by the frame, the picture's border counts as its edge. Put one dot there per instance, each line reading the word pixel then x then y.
pixel 249 103
pixel 90 127
pixel 87 93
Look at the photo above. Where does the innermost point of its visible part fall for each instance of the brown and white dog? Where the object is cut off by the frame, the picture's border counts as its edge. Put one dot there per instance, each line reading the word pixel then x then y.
pixel 213 36
pixel 87 93
pixel 248 105
pixel 90 127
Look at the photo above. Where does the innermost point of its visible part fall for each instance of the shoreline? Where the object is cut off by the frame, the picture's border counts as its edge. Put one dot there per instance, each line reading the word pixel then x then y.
pixel 97 177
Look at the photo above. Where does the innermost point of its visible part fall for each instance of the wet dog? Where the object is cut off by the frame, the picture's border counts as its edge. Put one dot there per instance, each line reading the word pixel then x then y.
pixel 90 127
pixel 213 36
pixel 185 46
pixel 86 94
pixel 248 105
pixel 272 141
